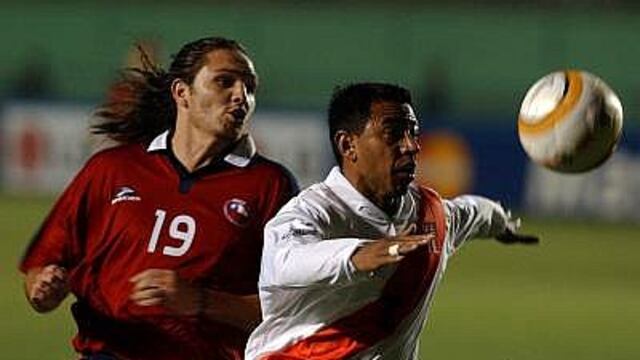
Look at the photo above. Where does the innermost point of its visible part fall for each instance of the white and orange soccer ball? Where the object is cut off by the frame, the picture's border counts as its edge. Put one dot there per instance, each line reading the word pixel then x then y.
pixel 570 121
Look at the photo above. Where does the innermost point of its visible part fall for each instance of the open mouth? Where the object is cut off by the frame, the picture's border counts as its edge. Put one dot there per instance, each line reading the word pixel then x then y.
pixel 238 114
pixel 407 171
pixel 408 168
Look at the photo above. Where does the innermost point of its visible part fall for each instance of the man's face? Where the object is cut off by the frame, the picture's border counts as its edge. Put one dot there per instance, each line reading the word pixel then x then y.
pixel 387 147
pixel 222 97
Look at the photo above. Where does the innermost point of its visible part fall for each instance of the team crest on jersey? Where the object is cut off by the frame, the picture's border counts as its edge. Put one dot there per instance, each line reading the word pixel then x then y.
pixel 125 193
pixel 430 228
pixel 237 212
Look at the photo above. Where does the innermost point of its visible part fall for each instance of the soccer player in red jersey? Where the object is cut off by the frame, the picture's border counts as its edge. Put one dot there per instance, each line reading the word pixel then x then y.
pixel 159 238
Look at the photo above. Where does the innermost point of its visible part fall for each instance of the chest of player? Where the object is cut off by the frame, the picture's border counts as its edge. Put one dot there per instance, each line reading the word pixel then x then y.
pixel 210 224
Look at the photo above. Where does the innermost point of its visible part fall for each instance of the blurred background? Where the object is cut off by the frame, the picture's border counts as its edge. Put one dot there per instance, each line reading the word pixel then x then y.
pixel 468 65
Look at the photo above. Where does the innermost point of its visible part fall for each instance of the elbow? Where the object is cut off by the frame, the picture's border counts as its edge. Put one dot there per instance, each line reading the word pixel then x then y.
pixel 287 273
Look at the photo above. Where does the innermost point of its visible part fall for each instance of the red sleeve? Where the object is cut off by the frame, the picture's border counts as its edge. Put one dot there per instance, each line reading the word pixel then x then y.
pixel 60 237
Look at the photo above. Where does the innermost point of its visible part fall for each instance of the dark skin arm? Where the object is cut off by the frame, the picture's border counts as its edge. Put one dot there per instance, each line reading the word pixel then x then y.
pixel 375 255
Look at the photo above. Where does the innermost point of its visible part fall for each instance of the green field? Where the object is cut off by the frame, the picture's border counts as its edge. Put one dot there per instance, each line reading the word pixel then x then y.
pixel 575 296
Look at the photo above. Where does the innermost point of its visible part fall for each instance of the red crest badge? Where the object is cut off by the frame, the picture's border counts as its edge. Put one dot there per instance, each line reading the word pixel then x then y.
pixel 237 212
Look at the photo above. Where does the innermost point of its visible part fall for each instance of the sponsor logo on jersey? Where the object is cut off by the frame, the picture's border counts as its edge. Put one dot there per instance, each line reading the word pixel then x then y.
pixel 237 212
pixel 125 193
pixel 299 228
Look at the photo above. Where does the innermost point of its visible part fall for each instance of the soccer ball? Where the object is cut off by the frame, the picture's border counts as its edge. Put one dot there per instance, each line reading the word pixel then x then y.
pixel 570 121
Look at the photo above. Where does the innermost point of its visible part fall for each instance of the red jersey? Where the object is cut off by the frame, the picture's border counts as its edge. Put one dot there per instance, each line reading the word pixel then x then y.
pixel 131 209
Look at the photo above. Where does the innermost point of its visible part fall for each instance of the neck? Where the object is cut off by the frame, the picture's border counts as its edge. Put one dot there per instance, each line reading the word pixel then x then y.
pixel 387 202
pixel 195 149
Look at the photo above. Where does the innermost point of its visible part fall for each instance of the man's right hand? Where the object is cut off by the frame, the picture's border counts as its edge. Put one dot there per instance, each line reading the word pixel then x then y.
pixel 389 250
pixel 46 287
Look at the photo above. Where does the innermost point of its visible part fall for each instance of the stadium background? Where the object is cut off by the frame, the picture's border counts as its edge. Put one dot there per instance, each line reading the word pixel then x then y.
pixel 573 297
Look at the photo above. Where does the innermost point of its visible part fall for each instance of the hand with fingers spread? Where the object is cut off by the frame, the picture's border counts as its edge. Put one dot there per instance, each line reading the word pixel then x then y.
pixel 161 287
pixel 46 287
pixel 389 250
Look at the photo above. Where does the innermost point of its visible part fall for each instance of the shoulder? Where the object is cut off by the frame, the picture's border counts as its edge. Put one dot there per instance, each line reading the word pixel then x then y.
pixel 428 198
pixel 268 165
pixel 274 171
pixel 418 191
pixel 117 154
pixel 316 202
pixel 105 161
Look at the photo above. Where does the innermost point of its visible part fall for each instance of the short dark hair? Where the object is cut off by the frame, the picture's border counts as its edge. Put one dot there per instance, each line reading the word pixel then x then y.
pixel 143 106
pixel 350 107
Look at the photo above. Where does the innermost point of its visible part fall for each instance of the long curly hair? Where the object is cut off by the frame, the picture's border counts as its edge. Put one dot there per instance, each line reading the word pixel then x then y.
pixel 140 105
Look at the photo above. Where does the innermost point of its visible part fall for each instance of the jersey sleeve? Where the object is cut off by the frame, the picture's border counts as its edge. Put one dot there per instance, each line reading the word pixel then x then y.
pixel 297 252
pixel 471 216
pixel 60 237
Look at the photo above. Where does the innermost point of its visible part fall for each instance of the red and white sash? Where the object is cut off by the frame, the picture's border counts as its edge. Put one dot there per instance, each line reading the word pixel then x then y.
pixel 402 293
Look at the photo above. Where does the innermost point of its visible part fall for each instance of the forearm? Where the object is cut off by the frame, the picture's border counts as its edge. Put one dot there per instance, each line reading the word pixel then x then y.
pixel 239 311
pixel 476 216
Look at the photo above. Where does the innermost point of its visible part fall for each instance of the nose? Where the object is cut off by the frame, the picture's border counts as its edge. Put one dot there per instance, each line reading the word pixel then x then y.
pixel 239 93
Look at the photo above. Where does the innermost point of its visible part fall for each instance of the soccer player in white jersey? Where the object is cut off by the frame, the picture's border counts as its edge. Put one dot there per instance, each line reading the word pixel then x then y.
pixel 350 265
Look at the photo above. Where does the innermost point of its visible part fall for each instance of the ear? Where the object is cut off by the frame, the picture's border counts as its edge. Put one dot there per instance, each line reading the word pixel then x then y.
pixel 180 92
pixel 345 142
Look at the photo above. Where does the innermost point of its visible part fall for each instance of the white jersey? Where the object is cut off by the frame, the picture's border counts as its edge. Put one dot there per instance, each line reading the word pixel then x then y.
pixel 307 280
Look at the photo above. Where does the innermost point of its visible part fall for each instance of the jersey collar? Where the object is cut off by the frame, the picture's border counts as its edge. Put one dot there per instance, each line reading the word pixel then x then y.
pixel 239 156
pixel 360 204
